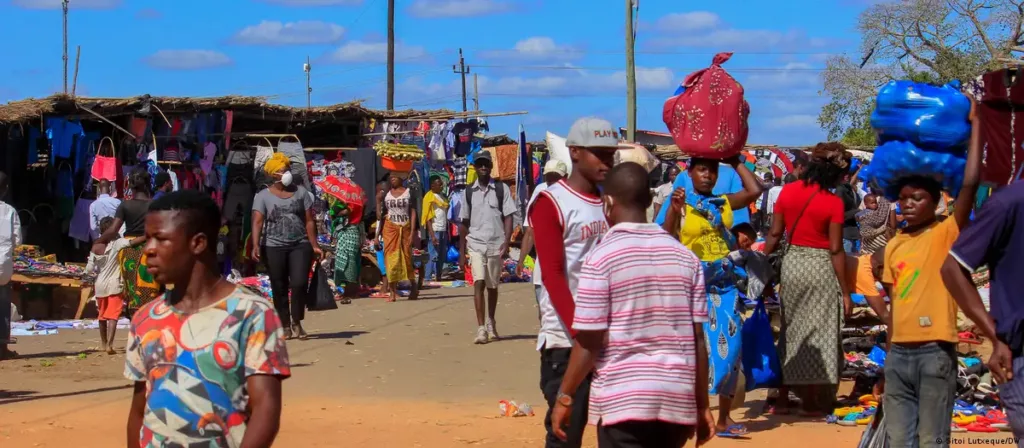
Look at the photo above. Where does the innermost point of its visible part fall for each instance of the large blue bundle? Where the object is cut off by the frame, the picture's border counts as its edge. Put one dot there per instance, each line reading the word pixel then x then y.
pixel 895 160
pixel 933 118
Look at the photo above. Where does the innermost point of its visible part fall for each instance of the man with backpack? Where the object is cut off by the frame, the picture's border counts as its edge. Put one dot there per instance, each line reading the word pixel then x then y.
pixel 486 222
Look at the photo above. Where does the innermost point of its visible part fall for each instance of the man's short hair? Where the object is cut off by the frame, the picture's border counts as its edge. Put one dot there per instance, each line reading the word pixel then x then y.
pixel 162 178
pixel 627 184
pixel 198 212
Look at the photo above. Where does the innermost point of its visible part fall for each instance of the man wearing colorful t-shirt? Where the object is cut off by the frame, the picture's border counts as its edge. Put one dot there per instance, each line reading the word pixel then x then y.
pixel 641 306
pixel 567 221
pixel 920 371
pixel 207 358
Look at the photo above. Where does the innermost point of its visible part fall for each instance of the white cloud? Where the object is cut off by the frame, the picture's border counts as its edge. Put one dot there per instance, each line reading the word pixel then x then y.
pixel 302 3
pixel 793 121
pixel 649 79
pixel 358 51
pixel 538 48
pixel 433 9
pixel 791 75
pixel 687 22
pixel 76 4
pixel 291 33
pixel 187 59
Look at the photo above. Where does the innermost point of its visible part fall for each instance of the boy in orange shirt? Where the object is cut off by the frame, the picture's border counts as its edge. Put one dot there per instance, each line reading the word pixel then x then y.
pixel 920 371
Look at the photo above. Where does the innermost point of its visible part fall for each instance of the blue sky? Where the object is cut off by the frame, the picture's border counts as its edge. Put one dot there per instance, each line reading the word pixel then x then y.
pixel 559 60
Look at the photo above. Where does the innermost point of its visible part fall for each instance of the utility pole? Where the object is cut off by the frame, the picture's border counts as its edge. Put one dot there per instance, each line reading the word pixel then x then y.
pixel 309 90
pixel 64 6
pixel 630 76
pixel 476 95
pixel 391 55
pixel 463 70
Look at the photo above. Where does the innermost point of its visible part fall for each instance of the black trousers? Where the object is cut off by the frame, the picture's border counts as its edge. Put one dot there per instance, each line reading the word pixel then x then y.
pixel 289 271
pixel 553 363
pixel 652 434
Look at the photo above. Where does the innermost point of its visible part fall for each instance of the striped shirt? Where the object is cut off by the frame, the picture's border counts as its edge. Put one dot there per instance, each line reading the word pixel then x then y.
pixel 647 290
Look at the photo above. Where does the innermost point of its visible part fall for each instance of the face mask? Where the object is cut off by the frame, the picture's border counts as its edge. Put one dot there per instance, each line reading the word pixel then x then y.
pixel 286 178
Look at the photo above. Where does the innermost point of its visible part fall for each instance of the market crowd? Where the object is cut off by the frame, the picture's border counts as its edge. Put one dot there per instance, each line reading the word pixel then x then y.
pixel 639 321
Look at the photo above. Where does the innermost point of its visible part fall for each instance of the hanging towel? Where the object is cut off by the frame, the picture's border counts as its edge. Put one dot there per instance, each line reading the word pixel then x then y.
pixel 229 117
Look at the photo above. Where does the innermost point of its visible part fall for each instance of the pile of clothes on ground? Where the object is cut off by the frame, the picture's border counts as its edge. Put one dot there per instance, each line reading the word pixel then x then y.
pixel 29 260
pixel 41 328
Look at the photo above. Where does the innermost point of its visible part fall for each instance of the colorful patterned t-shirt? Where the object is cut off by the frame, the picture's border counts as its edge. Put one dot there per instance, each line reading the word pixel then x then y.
pixel 195 367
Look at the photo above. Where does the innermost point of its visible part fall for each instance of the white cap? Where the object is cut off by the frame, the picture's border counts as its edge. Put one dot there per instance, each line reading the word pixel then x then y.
pixel 556 166
pixel 593 132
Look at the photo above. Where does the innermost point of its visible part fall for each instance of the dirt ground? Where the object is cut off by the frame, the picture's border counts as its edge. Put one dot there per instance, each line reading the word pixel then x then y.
pixel 372 374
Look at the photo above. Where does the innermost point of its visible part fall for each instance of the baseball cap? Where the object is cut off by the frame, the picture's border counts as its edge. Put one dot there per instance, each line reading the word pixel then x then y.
pixel 481 156
pixel 555 166
pixel 591 132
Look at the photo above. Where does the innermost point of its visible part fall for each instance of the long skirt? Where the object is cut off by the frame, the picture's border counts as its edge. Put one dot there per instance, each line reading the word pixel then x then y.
pixel 139 286
pixel 812 318
pixel 722 329
pixel 398 251
pixel 347 254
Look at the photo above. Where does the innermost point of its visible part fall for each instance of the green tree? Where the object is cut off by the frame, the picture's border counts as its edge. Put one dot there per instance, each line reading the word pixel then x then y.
pixel 932 41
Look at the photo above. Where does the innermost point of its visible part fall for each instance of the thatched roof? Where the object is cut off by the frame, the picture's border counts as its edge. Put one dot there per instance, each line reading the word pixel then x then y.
pixel 59 104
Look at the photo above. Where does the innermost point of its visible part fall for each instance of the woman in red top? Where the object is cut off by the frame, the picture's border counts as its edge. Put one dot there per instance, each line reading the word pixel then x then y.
pixel 813 289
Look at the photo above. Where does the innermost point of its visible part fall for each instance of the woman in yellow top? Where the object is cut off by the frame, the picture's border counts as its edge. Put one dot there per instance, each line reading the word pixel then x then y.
pixel 703 223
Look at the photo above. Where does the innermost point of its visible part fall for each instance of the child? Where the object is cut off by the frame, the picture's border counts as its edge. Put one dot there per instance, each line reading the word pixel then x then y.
pixel 639 317
pixel 921 368
pixel 108 287
pixel 745 235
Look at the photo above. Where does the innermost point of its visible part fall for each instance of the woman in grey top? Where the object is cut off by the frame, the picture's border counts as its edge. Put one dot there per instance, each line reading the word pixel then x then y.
pixel 283 214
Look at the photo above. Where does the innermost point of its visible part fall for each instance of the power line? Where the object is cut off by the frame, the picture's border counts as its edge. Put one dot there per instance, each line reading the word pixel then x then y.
pixel 336 87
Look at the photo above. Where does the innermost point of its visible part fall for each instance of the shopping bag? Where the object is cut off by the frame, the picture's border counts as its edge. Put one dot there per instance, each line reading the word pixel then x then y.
pixel 453 254
pixel 104 167
pixel 319 296
pixel 760 359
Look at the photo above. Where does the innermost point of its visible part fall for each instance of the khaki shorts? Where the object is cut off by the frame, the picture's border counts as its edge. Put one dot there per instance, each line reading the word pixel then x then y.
pixel 485 269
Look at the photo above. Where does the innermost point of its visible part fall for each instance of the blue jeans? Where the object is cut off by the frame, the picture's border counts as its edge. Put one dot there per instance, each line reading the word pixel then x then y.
pixel 438 255
pixel 851 247
pixel 1011 395
pixel 920 385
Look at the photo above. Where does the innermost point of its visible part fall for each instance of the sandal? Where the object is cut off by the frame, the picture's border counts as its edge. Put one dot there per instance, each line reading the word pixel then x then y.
pixel 981 427
pixel 736 431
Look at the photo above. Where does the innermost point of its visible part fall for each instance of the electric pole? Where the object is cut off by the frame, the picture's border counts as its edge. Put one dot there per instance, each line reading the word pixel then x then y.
pixel 463 70
pixel 391 55
pixel 309 90
pixel 64 6
pixel 630 76
pixel 476 95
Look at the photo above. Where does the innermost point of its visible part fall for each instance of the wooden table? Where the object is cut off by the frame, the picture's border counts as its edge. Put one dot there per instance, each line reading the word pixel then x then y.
pixel 85 289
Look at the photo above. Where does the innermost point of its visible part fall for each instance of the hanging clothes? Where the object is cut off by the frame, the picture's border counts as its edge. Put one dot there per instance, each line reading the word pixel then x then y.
pixel 62 134
pixel 1001 114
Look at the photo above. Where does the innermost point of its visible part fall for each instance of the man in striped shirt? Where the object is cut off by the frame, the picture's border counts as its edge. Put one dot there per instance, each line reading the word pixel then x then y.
pixel 640 307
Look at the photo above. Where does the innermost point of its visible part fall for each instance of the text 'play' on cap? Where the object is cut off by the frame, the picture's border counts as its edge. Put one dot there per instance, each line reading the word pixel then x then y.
pixel 593 132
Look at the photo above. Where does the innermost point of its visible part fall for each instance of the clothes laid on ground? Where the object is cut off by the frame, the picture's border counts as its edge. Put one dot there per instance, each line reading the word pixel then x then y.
pixel 812 229
pixel 923 310
pixel 812 315
pixel 239 336
pixel 648 305
pixel 284 219
pixel 133 214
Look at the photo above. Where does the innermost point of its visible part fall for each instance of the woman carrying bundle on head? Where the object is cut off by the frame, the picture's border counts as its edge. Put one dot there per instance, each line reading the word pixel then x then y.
pixel 814 292
pixel 703 223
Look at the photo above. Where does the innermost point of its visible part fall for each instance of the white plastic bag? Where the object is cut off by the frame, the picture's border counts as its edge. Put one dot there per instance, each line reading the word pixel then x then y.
pixel 558 151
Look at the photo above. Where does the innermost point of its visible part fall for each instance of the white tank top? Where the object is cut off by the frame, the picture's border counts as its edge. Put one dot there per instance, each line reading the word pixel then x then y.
pixel 398 208
pixel 583 224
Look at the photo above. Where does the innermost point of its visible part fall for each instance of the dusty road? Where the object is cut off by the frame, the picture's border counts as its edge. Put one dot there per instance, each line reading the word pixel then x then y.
pixel 373 374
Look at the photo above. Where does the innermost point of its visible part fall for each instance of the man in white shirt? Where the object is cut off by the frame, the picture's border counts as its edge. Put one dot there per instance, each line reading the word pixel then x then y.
pixel 104 206
pixel 10 238
pixel 554 171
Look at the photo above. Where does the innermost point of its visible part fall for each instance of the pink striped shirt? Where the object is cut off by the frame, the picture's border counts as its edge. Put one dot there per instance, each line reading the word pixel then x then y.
pixel 647 290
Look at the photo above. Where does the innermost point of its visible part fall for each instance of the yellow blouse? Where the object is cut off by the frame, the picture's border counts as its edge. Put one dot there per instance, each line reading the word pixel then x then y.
pixel 697 234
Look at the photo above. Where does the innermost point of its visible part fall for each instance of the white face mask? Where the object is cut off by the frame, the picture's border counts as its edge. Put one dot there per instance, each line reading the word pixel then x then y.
pixel 286 178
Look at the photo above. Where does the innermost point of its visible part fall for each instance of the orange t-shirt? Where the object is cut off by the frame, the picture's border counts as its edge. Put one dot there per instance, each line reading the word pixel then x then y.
pixel 922 309
pixel 859 276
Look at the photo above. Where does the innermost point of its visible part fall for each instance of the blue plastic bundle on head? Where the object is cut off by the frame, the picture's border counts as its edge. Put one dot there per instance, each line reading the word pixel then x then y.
pixel 931 117
pixel 923 130
pixel 895 160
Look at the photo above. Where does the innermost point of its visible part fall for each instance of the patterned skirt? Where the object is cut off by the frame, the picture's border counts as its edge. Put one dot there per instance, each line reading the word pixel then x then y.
pixel 347 254
pixel 812 317
pixel 139 286
pixel 398 251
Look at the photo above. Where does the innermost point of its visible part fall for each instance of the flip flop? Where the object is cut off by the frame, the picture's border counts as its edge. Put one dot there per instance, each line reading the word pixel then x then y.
pixel 736 431
pixel 981 427
pixel 955 428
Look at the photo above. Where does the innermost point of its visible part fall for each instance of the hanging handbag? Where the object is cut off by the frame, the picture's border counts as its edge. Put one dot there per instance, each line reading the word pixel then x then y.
pixel 776 259
pixel 104 167
pixel 761 366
